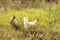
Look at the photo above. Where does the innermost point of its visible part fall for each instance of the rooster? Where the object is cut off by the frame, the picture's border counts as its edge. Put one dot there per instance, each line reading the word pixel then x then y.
pixel 28 25
pixel 14 22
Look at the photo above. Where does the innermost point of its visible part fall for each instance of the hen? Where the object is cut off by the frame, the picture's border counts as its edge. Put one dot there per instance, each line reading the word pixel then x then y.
pixel 14 22
pixel 28 25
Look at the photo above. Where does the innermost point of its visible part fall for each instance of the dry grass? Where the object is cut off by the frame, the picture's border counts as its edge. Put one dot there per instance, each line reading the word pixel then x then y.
pixel 47 28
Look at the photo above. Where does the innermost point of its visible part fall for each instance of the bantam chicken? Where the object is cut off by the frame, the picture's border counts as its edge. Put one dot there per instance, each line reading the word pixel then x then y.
pixel 28 25
pixel 14 22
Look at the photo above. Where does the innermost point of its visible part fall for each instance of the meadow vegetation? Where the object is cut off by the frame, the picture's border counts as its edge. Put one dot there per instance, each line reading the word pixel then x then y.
pixel 48 27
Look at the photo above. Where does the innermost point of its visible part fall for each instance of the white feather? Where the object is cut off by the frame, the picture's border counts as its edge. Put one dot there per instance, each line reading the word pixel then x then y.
pixel 28 24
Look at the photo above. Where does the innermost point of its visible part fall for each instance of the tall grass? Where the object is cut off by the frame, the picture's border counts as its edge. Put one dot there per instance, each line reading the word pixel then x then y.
pixel 49 20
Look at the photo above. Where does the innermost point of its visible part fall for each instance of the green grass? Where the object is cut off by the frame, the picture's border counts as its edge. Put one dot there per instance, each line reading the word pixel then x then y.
pixel 49 19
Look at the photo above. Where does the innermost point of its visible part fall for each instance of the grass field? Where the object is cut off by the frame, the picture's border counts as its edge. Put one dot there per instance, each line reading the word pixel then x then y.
pixel 49 24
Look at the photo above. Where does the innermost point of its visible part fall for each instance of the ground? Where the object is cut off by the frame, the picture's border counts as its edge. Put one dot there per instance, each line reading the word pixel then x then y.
pixel 47 28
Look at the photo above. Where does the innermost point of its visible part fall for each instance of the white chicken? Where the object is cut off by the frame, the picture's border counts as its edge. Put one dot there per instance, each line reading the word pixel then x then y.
pixel 28 25
pixel 14 22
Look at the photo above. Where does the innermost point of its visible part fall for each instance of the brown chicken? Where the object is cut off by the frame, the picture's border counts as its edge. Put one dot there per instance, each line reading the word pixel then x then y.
pixel 14 22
